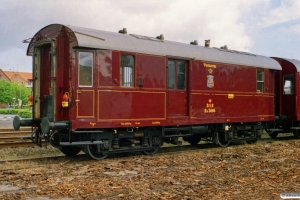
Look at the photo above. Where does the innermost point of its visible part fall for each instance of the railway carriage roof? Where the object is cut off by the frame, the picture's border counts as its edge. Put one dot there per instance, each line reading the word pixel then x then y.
pixel 295 62
pixel 98 39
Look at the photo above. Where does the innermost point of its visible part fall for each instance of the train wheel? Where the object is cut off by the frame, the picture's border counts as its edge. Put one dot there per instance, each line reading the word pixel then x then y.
pixel 221 139
pixel 273 135
pixel 193 140
pixel 156 142
pixel 251 141
pixel 297 134
pixel 69 150
pixel 54 140
pixel 92 151
pixel 151 151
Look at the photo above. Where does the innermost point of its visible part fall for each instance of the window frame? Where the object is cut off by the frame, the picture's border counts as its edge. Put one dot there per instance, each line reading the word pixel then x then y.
pixel 292 88
pixel 176 74
pixel 260 81
pixel 173 80
pixel 122 74
pixel 92 67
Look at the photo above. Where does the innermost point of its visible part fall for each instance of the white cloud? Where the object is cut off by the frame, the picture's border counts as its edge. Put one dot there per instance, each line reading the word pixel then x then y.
pixel 20 62
pixel 293 29
pixel 182 21
pixel 185 21
pixel 223 22
pixel 287 11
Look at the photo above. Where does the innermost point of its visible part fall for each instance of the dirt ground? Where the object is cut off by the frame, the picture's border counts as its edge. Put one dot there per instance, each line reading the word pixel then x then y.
pixel 258 171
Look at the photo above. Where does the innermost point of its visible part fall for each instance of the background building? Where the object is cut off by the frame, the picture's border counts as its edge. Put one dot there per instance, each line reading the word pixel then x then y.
pixel 3 76
pixel 24 78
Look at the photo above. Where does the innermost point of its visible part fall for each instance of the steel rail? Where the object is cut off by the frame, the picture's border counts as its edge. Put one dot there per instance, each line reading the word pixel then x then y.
pixel 12 130
pixel 21 144
pixel 15 134
pixel 32 158
pixel 12 138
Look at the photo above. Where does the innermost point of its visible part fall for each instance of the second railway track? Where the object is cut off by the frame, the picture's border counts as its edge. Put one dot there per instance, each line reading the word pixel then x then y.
pixel 16 141
pixel 11 138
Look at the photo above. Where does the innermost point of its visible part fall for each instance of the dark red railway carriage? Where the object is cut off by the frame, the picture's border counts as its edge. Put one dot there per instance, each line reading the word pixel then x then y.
pixel 287 101
pixel 104 92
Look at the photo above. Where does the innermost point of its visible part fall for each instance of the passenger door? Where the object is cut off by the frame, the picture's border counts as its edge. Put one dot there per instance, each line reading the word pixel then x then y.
pixel 289 97
pixel 85 93
pixel 177 104
pixel 44 81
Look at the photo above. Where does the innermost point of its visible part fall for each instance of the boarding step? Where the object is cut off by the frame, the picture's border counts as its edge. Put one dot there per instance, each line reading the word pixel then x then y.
pixel 178 129
pixel 82 143
pixel 179 135
pixel 275 129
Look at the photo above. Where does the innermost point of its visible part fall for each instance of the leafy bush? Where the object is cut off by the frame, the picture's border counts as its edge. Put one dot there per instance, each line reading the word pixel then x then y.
pixel 24 113
pixel 3 111
pixel 13 111
pixel 9 111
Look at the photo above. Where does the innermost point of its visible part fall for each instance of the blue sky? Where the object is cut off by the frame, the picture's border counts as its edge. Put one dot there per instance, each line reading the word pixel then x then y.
pixel 264 27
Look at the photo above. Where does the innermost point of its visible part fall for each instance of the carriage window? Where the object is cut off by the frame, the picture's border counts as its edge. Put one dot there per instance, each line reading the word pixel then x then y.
pixel 127 70
pixel 171 74
pixel 288 84
pixel 181 75
pixel 176 74
pixel 85 70
pixel 260 77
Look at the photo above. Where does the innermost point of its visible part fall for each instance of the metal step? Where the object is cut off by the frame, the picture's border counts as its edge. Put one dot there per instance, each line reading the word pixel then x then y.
pixel 82 143
pixel 179 135
pixel 275 129
pixel 178 129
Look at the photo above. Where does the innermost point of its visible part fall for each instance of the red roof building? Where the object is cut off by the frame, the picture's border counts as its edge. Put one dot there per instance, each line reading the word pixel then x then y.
pixel 20 77
pixel 3 76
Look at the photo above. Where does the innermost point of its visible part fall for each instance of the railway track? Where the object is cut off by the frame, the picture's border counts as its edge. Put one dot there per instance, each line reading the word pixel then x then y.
pixel 11 138
pixel 166 149
pixel 12 130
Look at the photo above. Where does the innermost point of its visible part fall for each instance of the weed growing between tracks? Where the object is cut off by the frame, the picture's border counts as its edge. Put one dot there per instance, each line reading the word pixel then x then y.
pixel 27 152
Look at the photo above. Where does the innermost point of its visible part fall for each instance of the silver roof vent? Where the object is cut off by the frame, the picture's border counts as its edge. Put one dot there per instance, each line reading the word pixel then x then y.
pixel 224 47
pixel 195 42
pixel 160 37
pixel 124 31
pixel 207 43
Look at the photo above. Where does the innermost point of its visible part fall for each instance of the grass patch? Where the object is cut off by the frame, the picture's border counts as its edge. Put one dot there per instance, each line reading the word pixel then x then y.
pixel 27 152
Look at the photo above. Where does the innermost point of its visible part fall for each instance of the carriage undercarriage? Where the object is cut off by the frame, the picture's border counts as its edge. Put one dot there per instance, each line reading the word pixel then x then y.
pixel 99 143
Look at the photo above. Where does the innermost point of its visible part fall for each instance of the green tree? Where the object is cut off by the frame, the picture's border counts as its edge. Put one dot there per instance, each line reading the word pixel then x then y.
pixel 10 92
pixel 6 92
